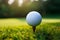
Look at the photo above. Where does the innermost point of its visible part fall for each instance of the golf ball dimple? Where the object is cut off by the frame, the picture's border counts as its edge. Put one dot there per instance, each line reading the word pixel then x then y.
pixel 33 18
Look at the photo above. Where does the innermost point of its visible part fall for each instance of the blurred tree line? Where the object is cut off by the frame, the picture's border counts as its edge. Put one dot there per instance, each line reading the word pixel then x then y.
pixel 48 7
pixel 4 9
pixel 52 7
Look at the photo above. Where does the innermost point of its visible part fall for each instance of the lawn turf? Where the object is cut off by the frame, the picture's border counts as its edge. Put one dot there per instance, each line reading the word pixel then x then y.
pixel 18 29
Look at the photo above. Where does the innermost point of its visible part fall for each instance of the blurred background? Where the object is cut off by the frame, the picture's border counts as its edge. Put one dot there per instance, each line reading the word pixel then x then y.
pixel 13 25
pixel 20 8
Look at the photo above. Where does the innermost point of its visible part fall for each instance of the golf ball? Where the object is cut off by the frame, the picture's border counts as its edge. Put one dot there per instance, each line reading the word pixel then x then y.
pixel 33 18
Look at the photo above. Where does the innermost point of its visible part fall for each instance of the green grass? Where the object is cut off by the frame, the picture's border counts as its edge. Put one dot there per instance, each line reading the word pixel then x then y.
pixel 18 29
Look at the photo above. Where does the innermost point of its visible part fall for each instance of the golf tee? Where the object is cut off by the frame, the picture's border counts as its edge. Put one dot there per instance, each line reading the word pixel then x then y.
pixel 34 28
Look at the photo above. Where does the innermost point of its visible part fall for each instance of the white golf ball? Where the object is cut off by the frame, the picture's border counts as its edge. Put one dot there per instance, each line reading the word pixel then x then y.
pixel 33 18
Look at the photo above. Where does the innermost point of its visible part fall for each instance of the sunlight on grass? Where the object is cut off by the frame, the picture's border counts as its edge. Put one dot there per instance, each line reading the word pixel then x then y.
pixel 11 22
pixel 20 22
pixel 51 20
